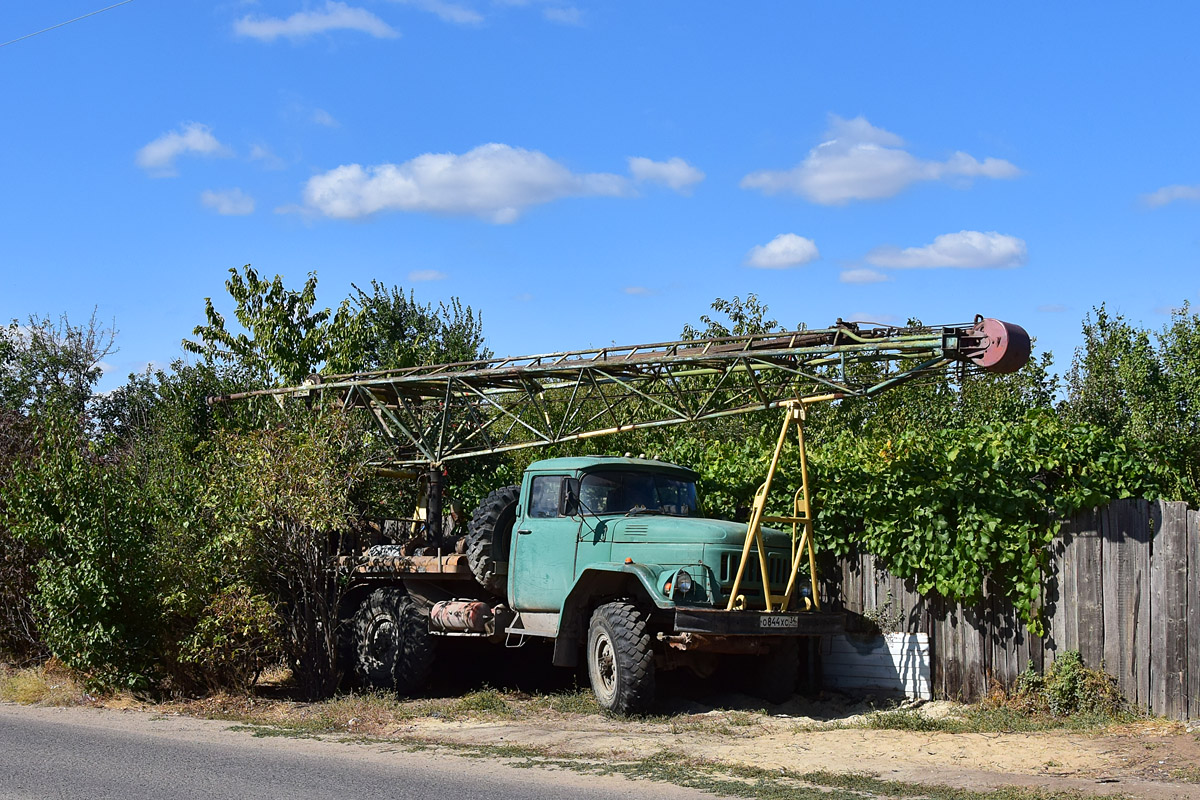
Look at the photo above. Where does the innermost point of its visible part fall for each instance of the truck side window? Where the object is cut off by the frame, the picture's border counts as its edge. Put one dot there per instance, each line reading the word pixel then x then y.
pixel 543 496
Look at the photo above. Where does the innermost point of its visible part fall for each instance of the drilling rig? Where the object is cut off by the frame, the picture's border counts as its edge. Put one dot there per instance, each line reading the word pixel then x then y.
pixel 610 558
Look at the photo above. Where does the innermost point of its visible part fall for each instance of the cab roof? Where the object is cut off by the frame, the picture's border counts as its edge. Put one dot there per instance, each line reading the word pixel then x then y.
pixel 575 463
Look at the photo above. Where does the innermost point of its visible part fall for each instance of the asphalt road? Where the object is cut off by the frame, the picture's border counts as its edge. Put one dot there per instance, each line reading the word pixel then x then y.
pixel 90 754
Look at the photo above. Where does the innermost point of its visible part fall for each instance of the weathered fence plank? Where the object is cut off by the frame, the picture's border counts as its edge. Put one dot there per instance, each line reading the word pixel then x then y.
pixel 1168 610
pixel 1088 609
pixel 1122 587
pixel 1193 625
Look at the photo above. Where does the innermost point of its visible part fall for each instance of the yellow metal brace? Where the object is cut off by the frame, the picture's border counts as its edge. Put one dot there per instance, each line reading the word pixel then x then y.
pixel 801 519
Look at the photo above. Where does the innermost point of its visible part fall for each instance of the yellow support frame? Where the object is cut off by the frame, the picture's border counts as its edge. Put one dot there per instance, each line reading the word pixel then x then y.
pixel 800 520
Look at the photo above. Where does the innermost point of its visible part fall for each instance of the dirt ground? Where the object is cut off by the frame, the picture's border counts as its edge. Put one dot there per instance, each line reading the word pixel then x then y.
pixel 1145 759
pixel 1150 760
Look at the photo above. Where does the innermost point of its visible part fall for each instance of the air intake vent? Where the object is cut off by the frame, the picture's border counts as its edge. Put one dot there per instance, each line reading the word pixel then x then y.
pixel 638 529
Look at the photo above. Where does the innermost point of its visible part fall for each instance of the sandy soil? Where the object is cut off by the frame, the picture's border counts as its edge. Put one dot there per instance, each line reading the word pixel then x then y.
pixel 1152 759
pixel 1140 760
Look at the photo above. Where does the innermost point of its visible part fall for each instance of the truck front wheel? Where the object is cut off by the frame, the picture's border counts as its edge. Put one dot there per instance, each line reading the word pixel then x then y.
pixel 392 646
pixel 619 658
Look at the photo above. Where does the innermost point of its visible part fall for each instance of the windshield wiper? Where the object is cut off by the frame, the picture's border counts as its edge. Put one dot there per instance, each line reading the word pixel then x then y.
pixel 643 510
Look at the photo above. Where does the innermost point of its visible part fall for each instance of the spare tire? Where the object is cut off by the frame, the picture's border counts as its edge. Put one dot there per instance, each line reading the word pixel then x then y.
pixel 489 538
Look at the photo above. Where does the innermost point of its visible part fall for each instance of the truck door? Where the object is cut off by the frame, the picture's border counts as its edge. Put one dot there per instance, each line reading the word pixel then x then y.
pixel 542 568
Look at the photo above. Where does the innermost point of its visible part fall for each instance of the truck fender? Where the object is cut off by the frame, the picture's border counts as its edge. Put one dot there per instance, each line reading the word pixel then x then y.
pixel 636 581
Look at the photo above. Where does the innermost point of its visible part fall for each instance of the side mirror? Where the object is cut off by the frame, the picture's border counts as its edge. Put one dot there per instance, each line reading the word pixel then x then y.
pixel 568 501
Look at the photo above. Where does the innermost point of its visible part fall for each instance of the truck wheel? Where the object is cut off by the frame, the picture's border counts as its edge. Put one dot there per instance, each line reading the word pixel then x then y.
pixel 489 537
pixel 393 648
pixel 774 674
pixel 619 659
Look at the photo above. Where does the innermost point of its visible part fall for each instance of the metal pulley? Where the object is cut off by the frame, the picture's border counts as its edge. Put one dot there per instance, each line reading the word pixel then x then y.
pixel 1005 346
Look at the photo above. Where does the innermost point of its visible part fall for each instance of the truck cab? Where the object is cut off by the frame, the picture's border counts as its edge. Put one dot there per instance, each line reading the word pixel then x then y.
pixel 591 532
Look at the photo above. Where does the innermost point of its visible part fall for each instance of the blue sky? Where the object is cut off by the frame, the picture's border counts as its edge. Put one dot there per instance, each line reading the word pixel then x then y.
pixel 589 173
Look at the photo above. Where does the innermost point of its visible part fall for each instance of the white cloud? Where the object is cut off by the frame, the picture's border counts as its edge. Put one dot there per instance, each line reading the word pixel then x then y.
pixel 323 117
pixel 862 276
pixel 335 16
pixel 1169 194
pixel 872 316
pixel 494 181
pixel 640 291
pixel 965 249
pixel 230 202
pixel 785 250
pixel 563 15
pixel 1168 311
pixel 861 162
pixel 1052 308
pixel 426 275
pixel 158 157
pixel 265 155
pixel 675 173
pixel 447 12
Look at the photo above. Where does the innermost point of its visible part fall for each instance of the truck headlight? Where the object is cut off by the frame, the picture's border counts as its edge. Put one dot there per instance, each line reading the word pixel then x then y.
pixel 683 582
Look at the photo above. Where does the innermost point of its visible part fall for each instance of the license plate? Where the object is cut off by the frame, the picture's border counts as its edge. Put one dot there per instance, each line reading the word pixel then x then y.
pixel 778 621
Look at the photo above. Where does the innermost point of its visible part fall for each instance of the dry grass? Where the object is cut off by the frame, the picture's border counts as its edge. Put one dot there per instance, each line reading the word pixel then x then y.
pixel 48 685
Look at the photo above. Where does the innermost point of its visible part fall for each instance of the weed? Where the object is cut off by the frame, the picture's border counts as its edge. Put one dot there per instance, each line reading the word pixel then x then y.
pixel 485 701
pixel 1187 774
pixel 50 685
pixel 677 769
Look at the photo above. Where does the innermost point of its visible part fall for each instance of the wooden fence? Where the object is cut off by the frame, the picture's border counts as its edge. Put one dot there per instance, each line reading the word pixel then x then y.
pixel 1123 590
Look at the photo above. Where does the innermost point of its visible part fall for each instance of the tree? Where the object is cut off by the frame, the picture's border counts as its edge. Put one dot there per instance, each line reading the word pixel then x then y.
pixel 48 369
pixel 49 362
pixel 285 339
pixel 384 329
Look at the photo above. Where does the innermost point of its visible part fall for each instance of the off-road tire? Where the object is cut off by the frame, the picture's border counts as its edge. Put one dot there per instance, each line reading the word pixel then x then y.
pixel 620 660
pixel 489 538
pixel 393 649
pixel 774 675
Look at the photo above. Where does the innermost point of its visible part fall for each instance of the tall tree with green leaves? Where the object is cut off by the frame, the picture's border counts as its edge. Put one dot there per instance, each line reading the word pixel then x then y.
pixel 284 338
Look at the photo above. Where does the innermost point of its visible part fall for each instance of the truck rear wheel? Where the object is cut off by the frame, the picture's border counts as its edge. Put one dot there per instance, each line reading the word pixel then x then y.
pixel 490 536
pixel 619 658
pixel 392 646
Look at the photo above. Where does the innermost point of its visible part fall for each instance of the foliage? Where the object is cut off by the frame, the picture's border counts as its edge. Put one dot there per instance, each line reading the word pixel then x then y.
pixel 384 329
pixel 284 338
pixel 283 498
pixel 49 363
pixel 235 638
pixel 18 630
pixel 952 509
pixel 47 367
pixel 95 590
pixel 1143 386
pixel 745 318
pixel 1067 688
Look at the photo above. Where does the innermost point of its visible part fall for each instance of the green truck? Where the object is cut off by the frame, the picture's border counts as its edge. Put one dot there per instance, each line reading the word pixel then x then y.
pixel 612 560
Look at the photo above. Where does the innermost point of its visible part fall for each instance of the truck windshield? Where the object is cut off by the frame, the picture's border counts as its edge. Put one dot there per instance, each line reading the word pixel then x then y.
pixel 620 492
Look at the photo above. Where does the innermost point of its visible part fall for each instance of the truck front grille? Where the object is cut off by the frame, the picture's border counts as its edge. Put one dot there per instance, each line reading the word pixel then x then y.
pixel 777 568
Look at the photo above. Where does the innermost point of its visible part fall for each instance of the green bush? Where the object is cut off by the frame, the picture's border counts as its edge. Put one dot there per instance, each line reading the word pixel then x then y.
pixel 1068 688
pixel 95 604
pixel 236 637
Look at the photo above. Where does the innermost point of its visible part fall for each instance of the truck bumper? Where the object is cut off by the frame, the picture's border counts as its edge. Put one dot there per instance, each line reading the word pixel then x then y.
pixel 718 622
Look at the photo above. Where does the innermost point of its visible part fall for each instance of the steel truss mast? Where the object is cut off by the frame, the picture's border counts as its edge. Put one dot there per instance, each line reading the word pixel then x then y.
pixel 435 414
